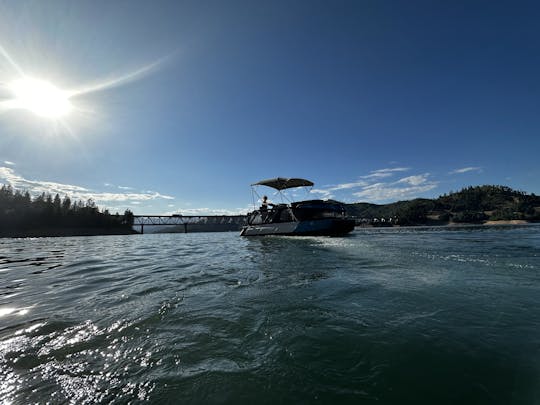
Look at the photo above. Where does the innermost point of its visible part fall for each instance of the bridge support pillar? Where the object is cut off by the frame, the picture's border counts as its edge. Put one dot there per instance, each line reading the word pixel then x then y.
pixel 185 228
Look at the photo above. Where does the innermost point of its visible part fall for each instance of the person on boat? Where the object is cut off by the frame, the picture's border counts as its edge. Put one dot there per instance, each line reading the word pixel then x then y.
pixel 265 215
pixel 265 204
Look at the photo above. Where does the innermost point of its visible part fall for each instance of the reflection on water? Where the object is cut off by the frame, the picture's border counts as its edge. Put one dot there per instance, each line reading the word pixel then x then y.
pixel 17 311
pixel 386 316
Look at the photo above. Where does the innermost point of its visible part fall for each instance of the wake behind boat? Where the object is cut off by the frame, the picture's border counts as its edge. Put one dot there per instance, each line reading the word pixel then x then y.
pixel 309 217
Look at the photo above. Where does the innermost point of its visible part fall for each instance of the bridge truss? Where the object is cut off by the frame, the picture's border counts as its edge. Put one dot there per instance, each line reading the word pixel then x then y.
pixel 185 220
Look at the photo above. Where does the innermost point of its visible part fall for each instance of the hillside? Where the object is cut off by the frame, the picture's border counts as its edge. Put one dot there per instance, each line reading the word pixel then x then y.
pixel 469 205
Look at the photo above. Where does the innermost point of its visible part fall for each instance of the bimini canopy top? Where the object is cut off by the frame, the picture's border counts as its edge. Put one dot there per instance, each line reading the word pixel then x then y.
pixel 282 183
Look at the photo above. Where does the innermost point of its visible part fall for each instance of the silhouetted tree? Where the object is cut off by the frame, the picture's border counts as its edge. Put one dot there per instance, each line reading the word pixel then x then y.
pixel 66 204
pixel 18 212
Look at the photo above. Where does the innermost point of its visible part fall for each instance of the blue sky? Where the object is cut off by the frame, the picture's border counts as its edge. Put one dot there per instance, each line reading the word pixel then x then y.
pixel 180 106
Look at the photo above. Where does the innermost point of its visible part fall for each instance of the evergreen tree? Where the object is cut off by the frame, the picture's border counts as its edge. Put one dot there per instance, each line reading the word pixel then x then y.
pixel 18 213
pixel 66 204
pixel 57 204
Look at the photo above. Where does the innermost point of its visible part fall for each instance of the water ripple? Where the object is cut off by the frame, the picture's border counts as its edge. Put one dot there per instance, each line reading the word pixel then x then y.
pixel 383 316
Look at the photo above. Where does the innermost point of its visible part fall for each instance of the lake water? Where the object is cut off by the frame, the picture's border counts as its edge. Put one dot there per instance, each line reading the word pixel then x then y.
pixel 385 316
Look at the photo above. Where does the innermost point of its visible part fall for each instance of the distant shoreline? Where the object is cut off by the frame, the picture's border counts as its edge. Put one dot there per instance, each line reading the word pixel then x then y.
pixel 61 232
pixel 67 232
pixel 494 223
pixel 455 224
pixel 509 222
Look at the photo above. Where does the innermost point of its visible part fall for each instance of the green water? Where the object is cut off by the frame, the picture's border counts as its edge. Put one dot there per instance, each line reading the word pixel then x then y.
pixel 384 316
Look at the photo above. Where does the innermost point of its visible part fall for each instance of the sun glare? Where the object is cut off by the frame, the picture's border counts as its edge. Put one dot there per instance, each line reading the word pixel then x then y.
pixel 45 100
pixel 40 97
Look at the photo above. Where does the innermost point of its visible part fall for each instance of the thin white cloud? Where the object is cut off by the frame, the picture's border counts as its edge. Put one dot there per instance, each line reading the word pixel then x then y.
pixel 329 191
pixel 414 180
pixel 391 170
pixel 466 169
pixel 405 188
pixel 347 186
pixel 365 183
pixel 382 173
pixel 325 194
pixel 384 192
pixel 119 187
pixel 8 175
pixel 208 211
pixel 7 162
pixel 35 187
pixel 98 196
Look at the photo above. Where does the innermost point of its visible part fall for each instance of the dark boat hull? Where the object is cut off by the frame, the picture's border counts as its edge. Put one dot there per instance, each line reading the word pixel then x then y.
pixel 316 227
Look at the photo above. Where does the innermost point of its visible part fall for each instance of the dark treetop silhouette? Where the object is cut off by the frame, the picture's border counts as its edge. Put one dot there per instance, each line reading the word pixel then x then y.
pixel 45 215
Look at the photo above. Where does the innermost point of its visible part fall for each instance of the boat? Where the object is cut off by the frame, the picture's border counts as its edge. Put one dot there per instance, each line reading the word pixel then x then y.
pixel 308 217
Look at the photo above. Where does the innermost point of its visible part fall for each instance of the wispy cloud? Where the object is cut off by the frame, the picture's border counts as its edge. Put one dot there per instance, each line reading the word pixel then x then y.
pixel 119 187
pixel 382 173
pixel 9 176
pixel 414 180
pixel 209 211
pixel 366 183
pixel 328 192
pixel 405 188
pixel 346 186
pixel 466 169
pixel 378 186
pixel 383 192
pixel 325 193
pixel 7 162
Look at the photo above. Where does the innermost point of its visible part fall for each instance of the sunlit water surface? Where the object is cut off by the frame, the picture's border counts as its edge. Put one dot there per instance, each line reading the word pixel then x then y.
pixel 428 316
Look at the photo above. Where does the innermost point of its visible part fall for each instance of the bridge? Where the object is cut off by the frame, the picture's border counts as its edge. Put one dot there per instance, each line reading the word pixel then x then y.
pixel 185 220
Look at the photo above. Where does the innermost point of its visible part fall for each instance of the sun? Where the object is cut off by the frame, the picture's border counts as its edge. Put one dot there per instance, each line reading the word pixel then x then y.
pixel 40 97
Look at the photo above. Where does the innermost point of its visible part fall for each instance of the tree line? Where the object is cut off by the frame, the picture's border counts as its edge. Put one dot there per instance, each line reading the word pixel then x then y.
pixel 19 211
